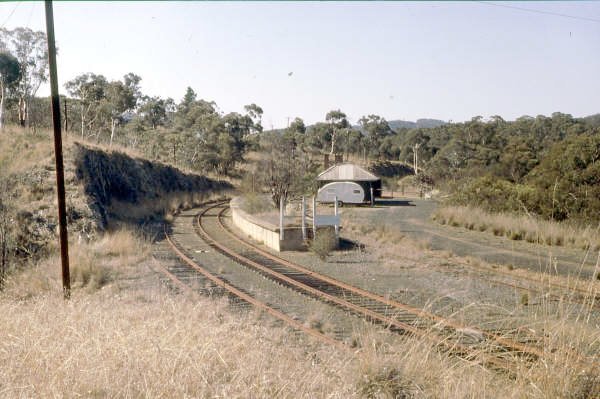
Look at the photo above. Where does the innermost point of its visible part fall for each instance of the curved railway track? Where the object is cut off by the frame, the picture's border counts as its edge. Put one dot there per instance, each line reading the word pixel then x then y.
pixel 236 292
pixel 468 342
pixel 474 344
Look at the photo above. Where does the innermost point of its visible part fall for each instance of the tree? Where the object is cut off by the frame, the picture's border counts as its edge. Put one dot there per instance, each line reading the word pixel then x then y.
pixel 188 99
pixel 376 128
pixel 297 126
pixel 255 113
pixel 156 111
pixel 338 121
pixel 10 73
pixel 31 51
pixel 90 89
pixel 121 97
pixel 285 171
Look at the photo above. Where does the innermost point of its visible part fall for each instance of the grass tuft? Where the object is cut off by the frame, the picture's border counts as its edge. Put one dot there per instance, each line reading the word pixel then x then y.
pixel 520 228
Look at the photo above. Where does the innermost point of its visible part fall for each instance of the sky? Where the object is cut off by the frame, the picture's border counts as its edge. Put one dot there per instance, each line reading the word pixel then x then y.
pixel 400 60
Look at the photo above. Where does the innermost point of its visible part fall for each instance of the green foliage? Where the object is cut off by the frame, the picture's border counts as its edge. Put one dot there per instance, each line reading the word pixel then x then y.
pixel 285 170
pixel 567 181
pixel 494 194
pixel 254 203
pixel 10 74
pixel 31 50
pixel 323 243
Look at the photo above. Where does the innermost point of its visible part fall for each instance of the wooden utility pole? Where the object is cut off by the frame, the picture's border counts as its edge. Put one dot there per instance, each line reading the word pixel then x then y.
pixel 58 154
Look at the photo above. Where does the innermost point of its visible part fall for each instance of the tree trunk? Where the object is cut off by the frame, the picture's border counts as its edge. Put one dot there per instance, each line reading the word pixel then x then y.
pixel 66 115
pixel 22 111
pixel 82 121
pixel 332 142
pixel 1 106
pixel 113 125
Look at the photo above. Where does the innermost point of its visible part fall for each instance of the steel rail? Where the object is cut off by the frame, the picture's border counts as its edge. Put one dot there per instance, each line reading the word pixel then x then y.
pixel 176 280
pixel 503 342
pixel 506 343
pixel 453 347
pixel 253 301
pixel 540 282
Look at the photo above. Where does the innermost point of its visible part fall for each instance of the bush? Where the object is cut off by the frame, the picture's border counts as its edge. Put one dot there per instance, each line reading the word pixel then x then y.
pixel 254 203
pixel 323 243
pixel 493 194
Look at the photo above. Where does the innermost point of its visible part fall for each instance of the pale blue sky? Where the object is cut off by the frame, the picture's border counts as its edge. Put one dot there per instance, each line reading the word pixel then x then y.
pixel 400 60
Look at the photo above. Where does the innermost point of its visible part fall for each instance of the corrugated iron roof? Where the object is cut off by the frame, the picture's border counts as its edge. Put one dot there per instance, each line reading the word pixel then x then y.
pixel 345 172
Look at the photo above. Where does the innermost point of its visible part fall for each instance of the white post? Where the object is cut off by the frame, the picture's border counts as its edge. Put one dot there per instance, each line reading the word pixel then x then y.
pixel 303 218
pixel 314 216
pixel 372 197
pixel 337 226
pixel 281 236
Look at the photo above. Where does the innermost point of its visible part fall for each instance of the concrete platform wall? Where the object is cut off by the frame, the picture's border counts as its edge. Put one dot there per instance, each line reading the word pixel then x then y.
pixel 263 231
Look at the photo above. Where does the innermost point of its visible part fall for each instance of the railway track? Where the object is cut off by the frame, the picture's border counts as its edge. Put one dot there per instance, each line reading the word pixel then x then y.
pixel 487 348
pixel 589 297
pixel 470 343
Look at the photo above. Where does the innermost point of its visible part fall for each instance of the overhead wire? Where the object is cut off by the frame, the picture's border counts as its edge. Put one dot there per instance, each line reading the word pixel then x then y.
pixel 11 14
pixel 33 4
pixel 556 14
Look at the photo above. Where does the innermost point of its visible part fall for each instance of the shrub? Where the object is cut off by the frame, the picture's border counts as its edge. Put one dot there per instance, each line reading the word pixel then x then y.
pixel 385 383
pixel 323 243
pixel 254 203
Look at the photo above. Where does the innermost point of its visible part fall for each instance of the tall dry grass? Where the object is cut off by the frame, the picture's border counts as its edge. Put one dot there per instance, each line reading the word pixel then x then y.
pixel 138 340
pixel 518 228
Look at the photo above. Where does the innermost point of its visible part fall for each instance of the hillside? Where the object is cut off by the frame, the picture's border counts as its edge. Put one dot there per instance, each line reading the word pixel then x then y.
pixel 103 188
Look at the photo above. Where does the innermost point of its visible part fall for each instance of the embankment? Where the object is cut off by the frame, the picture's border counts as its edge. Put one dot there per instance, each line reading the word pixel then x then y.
pixel 125 189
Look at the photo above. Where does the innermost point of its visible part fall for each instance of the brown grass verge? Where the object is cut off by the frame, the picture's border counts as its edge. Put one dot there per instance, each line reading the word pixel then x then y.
pixel 520 227
pixel 118 339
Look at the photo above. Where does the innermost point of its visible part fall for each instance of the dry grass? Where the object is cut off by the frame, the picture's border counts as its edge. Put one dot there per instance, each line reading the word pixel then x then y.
pixel 143 342
pixel 122 335
pixel 92 265
pixel 520 227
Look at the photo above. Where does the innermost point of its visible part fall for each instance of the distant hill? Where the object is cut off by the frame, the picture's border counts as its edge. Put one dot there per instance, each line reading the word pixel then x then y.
pixel 394 124
pixel 420 123
pixel 592 120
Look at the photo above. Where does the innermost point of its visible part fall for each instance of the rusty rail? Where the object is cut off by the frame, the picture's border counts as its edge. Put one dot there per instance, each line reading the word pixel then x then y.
pixel 455 347
pixel 527 349
pixel 247 298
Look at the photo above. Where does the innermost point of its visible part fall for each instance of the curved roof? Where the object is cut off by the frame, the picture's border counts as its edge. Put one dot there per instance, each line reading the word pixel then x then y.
pixel 346 172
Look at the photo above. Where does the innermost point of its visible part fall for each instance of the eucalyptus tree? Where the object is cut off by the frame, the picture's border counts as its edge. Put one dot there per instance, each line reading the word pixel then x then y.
pixel 31 50
pixel 255 113
pixel 10 74
pixel 338 121
pixel 90 89
pixel 376 129
pixel 297 126
pixel 156 111
pixel 122 97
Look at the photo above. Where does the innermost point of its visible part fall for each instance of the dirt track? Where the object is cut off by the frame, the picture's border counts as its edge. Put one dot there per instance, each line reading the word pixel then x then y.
pixel 412 217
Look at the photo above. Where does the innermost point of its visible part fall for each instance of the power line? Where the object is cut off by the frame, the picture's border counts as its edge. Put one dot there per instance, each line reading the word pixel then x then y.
pixel 556 14
pixel 11 14
pixel 33 4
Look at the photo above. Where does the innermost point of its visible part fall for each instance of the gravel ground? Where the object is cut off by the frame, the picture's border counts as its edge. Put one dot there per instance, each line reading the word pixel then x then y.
pixel 330 320
pixel 432 280
pixel 413 219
